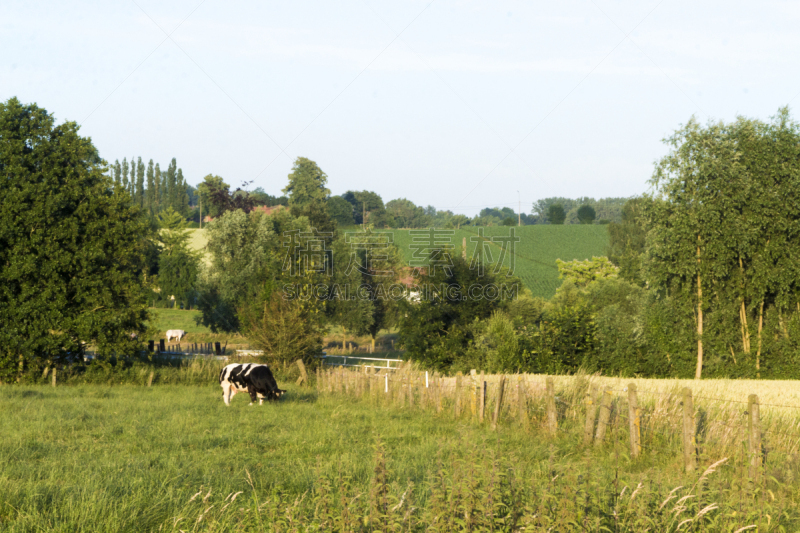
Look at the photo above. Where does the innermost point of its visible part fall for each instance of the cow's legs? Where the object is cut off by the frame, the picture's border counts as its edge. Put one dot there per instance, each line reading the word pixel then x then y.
pixel 253 394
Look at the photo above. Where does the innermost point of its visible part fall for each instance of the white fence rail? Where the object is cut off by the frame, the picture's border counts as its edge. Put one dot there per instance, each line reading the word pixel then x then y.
pixel 326 360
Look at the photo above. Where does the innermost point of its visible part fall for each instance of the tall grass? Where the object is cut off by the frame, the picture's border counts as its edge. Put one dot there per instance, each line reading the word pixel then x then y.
pixel 99 457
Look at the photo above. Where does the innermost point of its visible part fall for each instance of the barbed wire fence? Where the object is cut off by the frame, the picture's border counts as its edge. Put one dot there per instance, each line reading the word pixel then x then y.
pixel 638 422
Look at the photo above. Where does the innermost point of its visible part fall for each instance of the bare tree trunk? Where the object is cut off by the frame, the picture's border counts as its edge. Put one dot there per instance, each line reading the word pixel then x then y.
pixel 743 315
pixel 760 327
pixel 698 373
pixel 745 329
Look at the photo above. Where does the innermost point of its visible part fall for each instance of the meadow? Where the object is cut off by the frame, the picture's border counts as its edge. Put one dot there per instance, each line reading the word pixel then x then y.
pixel 172 457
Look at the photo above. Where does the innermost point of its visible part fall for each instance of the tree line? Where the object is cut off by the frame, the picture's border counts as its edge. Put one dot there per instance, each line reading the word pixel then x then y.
pixel 151 189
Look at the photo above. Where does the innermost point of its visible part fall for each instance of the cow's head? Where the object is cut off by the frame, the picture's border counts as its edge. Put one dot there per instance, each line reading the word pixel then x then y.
pixel 277 393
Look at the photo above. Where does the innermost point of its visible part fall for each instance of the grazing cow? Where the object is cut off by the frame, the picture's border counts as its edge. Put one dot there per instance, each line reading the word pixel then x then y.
pixel 175 334
pixel 257 380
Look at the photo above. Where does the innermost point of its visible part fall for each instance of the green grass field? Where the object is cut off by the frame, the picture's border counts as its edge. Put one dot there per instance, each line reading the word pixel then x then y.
pixel 166 319
pixel 173 458
pixel 536 253
pixel 198 239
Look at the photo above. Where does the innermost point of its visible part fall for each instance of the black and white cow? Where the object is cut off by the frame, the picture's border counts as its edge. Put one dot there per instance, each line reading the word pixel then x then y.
pixel 257 380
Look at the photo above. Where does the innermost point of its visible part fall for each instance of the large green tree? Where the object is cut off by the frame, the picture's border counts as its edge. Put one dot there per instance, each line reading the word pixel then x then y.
pixel 71 246
pixel 307 184
pixel 340 210
pixel 724 234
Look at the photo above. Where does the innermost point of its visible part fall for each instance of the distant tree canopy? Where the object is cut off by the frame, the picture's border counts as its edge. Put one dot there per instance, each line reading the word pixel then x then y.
pixel 556 214
pixel 402 213
pixel 221 199
pixel 586 214
pixel 72 246
pixel 369 204
pixel 260 197
pixel 606 209
pixel 340 210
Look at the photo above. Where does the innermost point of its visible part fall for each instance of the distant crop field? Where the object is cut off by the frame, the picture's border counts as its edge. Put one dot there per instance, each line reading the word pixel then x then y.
pixel 534 255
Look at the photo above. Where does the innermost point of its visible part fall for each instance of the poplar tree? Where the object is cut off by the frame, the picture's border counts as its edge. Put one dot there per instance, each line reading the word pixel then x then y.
pixel 172 185
pixel 140 183
pixel 131 186
pixel 183 190
pixel 124 182
pixel 159 190
pixel 151 188
pixel 117 172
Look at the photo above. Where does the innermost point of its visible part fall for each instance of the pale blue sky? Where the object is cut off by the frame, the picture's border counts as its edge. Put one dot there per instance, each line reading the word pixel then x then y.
pixel 455 104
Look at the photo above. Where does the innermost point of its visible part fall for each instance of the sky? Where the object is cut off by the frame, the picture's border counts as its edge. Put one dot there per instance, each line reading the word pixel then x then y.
pixel 457 104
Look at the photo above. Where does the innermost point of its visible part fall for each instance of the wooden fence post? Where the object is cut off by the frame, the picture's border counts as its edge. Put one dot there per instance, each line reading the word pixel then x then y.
pixel 689 446
pixel 474 403
pixel 218 348
pixel 482 405
pixel 438 382
pixel 634 421
pixel 591 413
pixel 499 403
pixel 54 376
pixel 303 374
pixel 522 402
pixel 552 419
pixel 150 378
pixel 151 346
pixel 605 416
pixel 754 431
pixel 457 394
pixel 161 346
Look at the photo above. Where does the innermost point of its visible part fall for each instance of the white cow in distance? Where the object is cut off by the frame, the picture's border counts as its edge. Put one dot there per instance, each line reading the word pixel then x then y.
pixel 175 334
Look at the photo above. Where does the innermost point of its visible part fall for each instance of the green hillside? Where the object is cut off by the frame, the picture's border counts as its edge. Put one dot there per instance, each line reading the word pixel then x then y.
pixel 535 254
pixel 197 241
